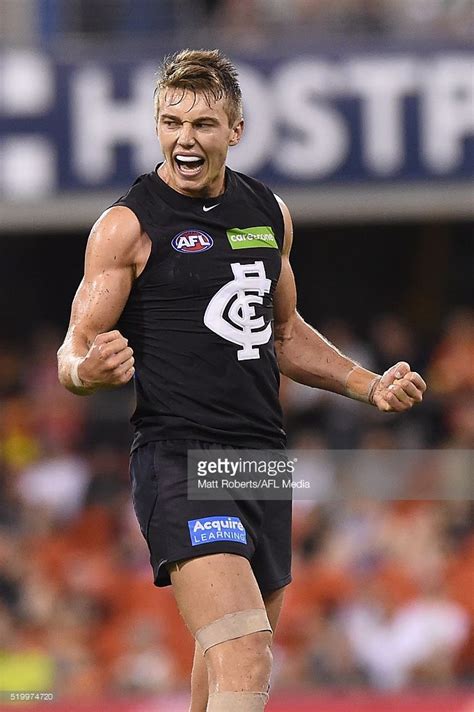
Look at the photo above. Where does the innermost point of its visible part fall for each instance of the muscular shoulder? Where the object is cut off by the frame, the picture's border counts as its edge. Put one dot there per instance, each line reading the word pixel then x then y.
pixel 117 239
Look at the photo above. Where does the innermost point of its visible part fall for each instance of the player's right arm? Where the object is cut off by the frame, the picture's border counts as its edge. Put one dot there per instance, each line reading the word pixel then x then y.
pixel 94 355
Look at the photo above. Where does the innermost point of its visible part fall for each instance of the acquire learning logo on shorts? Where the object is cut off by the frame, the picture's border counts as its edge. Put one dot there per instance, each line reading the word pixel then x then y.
pixel 192 241
pixel 211 529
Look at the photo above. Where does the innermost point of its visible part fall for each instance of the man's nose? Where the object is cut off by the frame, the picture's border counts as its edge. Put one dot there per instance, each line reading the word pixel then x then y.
pixel 186 134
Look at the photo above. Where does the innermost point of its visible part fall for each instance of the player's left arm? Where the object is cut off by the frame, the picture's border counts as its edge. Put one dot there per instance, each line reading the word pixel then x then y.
pixel 305 356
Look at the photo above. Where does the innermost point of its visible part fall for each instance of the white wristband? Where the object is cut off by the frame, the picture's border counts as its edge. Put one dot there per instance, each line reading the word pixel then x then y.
pixel 75 375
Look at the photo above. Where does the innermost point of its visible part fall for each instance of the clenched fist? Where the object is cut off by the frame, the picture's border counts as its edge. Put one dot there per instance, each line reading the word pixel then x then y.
pixel 109 362
pixel 398 389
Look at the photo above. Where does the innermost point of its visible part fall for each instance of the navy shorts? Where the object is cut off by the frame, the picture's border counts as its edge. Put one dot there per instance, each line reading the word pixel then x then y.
pixel 177 528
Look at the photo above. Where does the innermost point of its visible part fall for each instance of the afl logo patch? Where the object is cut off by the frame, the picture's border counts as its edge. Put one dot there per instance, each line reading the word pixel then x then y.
pixel 192 241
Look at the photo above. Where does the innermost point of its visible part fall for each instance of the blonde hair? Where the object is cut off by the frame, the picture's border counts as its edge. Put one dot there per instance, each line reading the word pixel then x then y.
pixel 206 72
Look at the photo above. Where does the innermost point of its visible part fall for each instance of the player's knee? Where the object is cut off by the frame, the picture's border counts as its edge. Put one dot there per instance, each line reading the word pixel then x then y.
pixel 237 648
pixel 246 661
pixel 254 649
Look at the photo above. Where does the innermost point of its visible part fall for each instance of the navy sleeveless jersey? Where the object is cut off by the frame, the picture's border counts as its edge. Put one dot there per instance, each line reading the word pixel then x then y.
pixel 199 317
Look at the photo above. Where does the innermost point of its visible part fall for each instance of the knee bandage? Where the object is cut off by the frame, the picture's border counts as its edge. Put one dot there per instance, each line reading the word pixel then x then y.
pixel 232 626
pixel 237 702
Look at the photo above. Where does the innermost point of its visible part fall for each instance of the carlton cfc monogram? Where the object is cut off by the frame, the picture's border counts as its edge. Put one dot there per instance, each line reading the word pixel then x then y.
pixel 238 298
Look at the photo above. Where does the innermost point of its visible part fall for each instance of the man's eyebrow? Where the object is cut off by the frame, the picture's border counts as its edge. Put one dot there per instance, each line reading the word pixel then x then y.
pixel 173 117
pixel 212 119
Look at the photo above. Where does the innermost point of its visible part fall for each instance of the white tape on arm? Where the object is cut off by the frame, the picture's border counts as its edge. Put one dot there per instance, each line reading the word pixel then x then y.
pixel 361 384
pixel 75 375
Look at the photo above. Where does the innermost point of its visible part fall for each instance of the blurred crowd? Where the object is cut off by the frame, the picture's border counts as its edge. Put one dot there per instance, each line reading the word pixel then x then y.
pixel 382 591
pixel 239 22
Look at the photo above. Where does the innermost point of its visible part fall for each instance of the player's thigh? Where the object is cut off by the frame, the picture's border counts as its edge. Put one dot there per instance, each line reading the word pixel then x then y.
pixel 273 602
pixel 209 587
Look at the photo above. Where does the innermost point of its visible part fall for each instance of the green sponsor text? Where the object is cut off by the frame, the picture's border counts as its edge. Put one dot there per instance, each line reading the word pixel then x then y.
pixel 241 239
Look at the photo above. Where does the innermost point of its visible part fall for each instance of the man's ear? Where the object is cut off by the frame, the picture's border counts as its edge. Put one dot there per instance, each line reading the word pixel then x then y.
pixel 237 132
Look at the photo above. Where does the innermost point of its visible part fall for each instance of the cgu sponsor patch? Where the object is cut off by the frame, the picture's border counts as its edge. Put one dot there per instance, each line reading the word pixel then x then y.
pixel 192 241
pixel 214 529
pixel 241 239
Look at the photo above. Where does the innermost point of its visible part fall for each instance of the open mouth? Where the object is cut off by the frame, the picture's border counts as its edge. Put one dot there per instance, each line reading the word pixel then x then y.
pixel 188 165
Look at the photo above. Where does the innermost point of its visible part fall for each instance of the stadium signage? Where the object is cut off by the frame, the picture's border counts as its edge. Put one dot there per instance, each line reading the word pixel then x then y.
pixel 374 118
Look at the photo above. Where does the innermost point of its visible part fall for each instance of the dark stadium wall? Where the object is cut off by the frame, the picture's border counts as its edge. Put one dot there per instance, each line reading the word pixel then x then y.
pixel 357 272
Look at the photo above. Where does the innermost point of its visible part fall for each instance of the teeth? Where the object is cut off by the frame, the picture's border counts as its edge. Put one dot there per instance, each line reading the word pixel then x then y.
pixel 189 159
